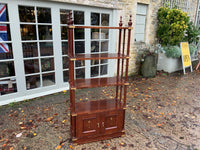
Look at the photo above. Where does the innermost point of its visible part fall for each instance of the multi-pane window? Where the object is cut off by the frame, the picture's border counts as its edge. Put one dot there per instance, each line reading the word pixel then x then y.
pixel 37 46
pixel 99 43
pixel 140 22
pixel 181 4
pixel 79 43
pixel 7 71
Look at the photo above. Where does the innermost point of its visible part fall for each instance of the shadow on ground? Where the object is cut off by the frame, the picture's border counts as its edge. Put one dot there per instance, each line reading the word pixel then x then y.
pixel 163 113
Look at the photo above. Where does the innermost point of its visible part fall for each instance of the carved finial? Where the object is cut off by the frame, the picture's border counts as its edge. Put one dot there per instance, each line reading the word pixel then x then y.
pixel 68 21
pixel 130 21
pixel 120 23
pixel 71 18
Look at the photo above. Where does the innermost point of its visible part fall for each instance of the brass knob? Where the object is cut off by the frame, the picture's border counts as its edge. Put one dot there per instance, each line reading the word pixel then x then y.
pixel 89 121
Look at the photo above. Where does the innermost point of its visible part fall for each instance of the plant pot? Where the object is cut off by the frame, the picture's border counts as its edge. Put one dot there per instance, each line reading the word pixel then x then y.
pixel 168 64
pixel 148 68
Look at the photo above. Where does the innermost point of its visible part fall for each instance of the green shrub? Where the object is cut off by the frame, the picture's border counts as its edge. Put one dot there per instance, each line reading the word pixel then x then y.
pixel 192 33
pixel 171 25
pixel 172 51
pixel 192 48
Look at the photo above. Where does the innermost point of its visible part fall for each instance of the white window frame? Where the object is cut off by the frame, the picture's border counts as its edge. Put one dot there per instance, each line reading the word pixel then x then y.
pixel 22 93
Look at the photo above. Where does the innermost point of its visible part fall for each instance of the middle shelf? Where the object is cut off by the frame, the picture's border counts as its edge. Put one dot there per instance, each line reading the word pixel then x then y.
pixel 97 82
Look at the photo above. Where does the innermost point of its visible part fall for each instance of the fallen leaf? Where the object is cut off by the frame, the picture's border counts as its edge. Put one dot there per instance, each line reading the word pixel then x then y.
pixel 11 148
pixel 58 147
pixel 19 135
pixel 4 145
pixel 49 119
pixel 34 134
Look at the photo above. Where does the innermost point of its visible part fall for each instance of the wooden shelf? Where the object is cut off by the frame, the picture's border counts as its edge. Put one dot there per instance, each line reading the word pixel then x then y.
pixel 97 82
pixel 98 56
pixel 97 106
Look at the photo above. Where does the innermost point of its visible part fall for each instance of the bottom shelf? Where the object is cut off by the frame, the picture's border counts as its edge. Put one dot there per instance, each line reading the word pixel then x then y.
pixel 97 106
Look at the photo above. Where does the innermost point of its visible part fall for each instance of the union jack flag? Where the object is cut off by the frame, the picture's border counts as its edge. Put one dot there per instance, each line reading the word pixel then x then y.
pixel 3 30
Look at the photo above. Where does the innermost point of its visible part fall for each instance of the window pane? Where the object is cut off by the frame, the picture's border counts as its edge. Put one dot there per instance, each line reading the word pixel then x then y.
pixel 47 64
pixel 94 62
pixel 8 86
pixel 30 50
pixel 26 14
pixel 103 61
pixel 79 33
pixel 104 46
pixel 33 82
pixel 44 15
pixel 4 13
pixel 45 32
pixel 46 48
pixel 65 48
pixel 48 79
pixel 80 63
pixel 80 73
pixel 31 66
pixel 104 34
pixel 95 33
pixel 79 17
pixel 104 69
pixel 63 32
pixel 7 55
pixel 63 16
pixel 7 69
pixel 65 63
pixel 5 32
pixel 79 47
pixel 28 32
pixel 105 20
pixel 95 46
pixel 66 76
pixel 94 71
pixel 95 19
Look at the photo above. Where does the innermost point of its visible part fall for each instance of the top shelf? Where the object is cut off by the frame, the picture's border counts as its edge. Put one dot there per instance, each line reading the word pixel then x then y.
pixel 99 27
pixel 98 56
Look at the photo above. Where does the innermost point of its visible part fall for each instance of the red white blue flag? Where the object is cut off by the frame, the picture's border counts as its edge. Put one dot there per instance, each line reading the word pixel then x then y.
pixel 3 30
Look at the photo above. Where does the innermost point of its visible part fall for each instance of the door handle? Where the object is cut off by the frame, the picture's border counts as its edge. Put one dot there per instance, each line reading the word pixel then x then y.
pixel 98 125
pixel 103 124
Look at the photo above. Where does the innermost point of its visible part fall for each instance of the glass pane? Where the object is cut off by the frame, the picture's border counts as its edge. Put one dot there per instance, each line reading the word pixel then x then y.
pixel 65 63
pixel 28 32
pixel 4 13
pixel 104 46
pixel 33 82
pixel 104 69
pixel 94 62
pixel 30 50
pixel 95 46
pixel 7 69
pixel 79 33
pixel 94 71
pixel 79 47
pixel 48 79
pixel 44 15
pixel 5 32
pixel 63 16
pixel 104 34
pixel 47 64
pixel 8 86
pixel 95 19
pixel 45 32
pixel 4 47
pixel 66 76
pixel 80 73
pixel 79 17
pixel 65 48
pixel 94 33
pixel 26 14
pixel 105 19
pixel 63 32
pixel 46 48
pixel 80 63
pixel 31 66
pixel 103 61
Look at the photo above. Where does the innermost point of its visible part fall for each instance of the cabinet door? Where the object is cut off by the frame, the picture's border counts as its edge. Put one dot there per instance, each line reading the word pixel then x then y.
pixel 113 121
pixel 87 125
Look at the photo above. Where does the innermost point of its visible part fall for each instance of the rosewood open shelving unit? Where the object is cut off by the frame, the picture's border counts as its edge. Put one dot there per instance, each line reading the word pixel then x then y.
pixel 96 120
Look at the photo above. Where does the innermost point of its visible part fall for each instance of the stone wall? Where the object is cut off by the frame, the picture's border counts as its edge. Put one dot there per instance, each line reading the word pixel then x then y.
pixel 126 7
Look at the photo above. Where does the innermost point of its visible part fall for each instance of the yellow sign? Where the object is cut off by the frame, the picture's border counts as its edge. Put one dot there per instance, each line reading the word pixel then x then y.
pixel 185 54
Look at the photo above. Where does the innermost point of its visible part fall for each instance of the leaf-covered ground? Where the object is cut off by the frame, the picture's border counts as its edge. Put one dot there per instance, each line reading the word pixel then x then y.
pixel 163 113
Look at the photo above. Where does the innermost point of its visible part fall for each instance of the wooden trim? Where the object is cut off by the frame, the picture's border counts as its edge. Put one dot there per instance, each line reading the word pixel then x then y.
pixel 73 115
pixel 126 84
